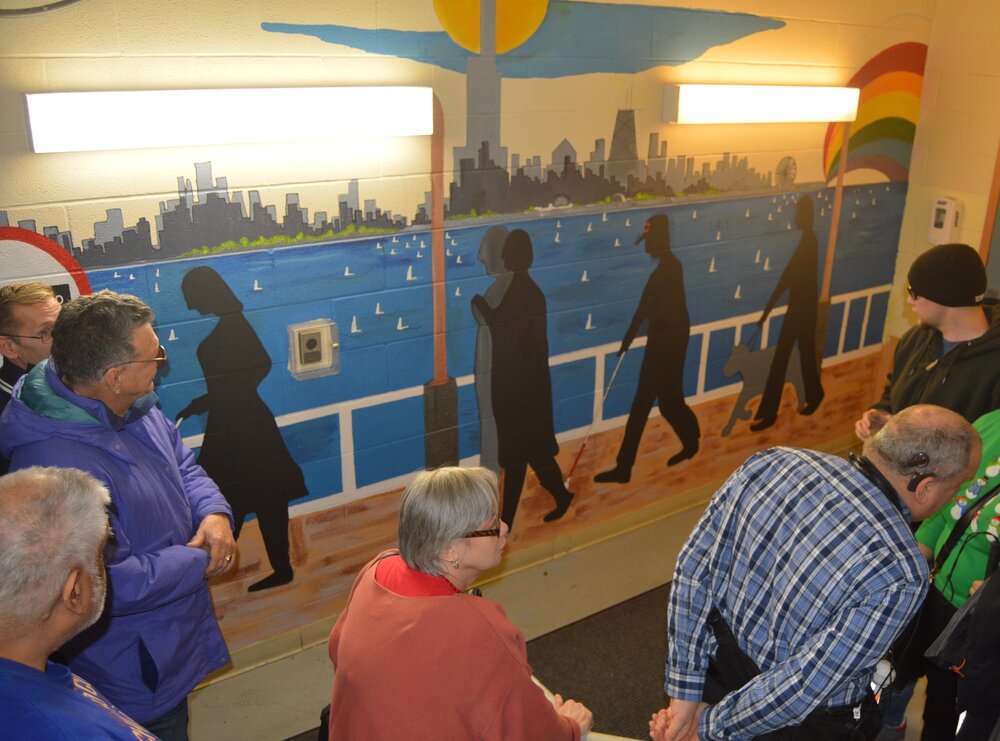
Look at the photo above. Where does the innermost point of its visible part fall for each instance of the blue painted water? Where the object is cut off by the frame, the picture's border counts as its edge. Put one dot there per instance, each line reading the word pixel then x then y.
pixel 588 266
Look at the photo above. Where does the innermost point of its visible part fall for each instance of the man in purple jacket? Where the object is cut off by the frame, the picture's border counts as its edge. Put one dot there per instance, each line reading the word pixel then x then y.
pixel 91 407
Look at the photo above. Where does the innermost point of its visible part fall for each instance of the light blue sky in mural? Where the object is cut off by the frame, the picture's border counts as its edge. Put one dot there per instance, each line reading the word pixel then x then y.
pixel 379 292
pixel 574 39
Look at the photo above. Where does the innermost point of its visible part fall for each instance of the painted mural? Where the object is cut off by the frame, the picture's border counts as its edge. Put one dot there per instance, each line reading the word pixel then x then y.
pixel 581 287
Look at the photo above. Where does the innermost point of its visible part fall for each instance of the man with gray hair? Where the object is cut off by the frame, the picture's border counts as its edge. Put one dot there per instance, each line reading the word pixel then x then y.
pixel 798 578
pixel 52 586
pixel 91 406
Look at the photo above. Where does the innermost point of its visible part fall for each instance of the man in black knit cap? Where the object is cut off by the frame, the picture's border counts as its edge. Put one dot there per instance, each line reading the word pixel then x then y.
pixel 952 357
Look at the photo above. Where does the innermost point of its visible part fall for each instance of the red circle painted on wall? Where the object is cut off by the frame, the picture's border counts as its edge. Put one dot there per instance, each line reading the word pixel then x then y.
pixel 27 255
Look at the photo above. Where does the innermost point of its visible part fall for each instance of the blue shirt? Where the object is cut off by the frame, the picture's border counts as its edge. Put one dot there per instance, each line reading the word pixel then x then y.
pixel 816 573
pixel 57 704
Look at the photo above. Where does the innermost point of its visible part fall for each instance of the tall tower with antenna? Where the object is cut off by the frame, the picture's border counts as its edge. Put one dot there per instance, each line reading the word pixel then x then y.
pixel 482 96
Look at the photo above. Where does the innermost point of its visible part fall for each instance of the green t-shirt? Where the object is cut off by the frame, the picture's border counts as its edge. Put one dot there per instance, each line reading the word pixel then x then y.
pixel 967 561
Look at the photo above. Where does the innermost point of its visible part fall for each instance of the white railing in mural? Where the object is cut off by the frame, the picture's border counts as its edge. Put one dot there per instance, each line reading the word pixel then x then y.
pixel 599 353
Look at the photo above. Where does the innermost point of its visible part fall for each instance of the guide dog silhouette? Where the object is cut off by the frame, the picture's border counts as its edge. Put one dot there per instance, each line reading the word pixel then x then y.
pixel 753 367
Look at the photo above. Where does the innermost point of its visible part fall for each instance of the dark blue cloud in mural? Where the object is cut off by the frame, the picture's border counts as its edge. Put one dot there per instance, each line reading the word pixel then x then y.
pixel 574 39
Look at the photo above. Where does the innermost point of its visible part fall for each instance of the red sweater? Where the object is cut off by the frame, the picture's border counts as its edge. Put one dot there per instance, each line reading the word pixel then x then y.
pixel 435 667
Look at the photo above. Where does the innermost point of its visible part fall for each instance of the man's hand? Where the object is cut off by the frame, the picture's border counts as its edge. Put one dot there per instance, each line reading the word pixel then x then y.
pixel 575 710
pixel 871 422
pixel 679 722
pixel 216 539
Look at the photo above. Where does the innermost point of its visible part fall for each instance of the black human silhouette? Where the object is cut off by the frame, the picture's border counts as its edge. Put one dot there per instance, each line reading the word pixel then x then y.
pixel 243 450
pixel 491 256
pixel 661 378
pixel 799 326
pixel 521 385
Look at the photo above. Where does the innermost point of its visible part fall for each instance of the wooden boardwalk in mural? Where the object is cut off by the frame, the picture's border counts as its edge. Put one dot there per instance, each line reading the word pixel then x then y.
pixel 350 534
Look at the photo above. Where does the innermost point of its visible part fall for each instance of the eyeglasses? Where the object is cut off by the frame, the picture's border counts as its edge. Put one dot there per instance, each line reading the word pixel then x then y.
pixel 160 359
pixel 44 335
pixel 493 532
pixel 913 294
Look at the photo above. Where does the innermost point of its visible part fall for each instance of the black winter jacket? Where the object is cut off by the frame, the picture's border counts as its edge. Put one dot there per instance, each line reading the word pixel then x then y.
pixel 966 380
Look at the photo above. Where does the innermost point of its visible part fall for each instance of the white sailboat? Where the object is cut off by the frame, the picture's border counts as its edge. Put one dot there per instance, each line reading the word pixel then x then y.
pixel 779 209
pixel 854 215
pixel 557 238
pixel 558 224
pixel 718 236
pixel 347 272
pixel 378 245
pixel 157 272
pixel 409 273
pixel 789 226
pixel 694 214
pixel 756 258
pixel 420 255
pixel 767 264
pixel 116 275
pixel 422 245
pixel 746 214
pixel 458 259
pixel 378 309
pixel 172 336
pixel 628 222
pixel 394 240
pixel 618 242
pixel 447 235
pixel 392 250
pixel 737 295
pixel 400 326
pixel 874 202
pixel 131 276
pixel 711 265
pixel 770 217
pixel 156 288
pixel 354 325
pixel 590 226
pixel 454 243
pixel 256 285
pixel 458 291
pixel 604 216
pixel 590 323
pixel 584 278
pixel 447 252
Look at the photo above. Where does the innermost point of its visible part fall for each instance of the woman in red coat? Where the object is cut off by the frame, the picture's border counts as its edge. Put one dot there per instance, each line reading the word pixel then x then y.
pixel 418 658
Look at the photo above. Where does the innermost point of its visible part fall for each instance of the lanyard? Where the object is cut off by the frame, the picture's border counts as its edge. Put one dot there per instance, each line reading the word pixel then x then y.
pixel 876 477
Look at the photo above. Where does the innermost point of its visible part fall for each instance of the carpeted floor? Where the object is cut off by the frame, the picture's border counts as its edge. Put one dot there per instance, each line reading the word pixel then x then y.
pixel 612 662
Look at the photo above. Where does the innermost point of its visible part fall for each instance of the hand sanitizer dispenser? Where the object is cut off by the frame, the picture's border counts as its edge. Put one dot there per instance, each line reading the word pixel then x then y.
pixel 946 214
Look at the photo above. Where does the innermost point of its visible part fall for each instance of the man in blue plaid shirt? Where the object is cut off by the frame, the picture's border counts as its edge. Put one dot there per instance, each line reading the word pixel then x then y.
pixel 809 560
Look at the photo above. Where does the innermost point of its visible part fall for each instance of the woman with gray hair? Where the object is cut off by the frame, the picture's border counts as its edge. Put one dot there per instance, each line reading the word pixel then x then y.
pixel 418 658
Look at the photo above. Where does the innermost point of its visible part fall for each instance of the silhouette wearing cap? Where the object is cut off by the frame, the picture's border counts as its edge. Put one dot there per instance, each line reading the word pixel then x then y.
pixel 799 326
pixel 521 388
pixel 661 378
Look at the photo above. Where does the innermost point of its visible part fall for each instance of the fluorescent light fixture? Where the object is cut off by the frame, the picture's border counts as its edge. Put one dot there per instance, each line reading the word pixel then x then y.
pixel 142 119
pixel 707 104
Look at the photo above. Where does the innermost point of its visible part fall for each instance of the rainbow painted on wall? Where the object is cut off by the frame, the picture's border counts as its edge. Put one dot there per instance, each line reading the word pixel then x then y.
pixel 881 137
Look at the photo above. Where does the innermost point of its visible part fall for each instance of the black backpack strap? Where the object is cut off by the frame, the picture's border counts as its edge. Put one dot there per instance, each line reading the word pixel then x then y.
pixel 959 530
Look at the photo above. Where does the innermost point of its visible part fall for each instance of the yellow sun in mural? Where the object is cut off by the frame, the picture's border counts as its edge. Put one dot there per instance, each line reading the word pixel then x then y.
pixel 516 21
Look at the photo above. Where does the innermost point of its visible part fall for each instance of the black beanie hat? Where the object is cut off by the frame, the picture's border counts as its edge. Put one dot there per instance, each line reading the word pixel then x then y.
pixel 950 275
